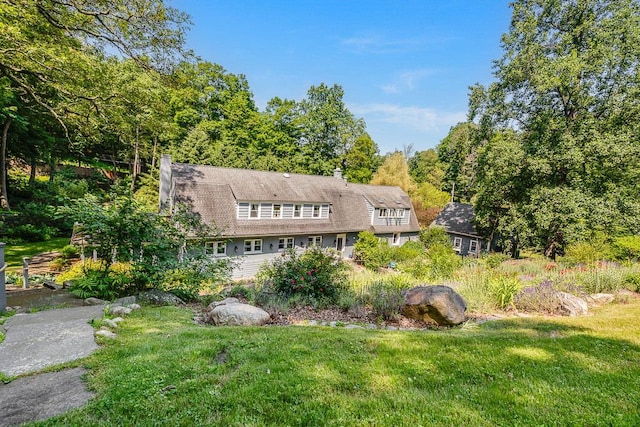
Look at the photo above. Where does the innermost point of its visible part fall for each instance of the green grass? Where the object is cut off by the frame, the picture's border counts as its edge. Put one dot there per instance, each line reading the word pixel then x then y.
pixel 14 253
pixel 164 370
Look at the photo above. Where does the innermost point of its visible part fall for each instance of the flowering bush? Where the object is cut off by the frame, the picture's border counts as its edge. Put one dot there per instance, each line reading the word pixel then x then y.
pixel 315 273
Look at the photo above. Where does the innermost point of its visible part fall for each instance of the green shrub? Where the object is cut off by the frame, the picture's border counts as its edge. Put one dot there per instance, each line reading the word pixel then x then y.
pixel 627 247
pixel 587 252
pixel 603 277
pixel 417 267
pixel 315 273
pixel 386 301
pixel 494 260
pixel 434 235
pixel 542 298
pixel 632 281
pixel 504 289
pixel 443 261
pixel 69 251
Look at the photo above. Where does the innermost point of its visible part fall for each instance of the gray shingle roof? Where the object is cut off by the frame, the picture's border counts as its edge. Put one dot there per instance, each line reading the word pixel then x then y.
pixel 457 218
pixel 213 192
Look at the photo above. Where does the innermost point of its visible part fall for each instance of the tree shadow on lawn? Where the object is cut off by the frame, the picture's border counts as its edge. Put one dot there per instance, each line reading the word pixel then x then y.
pixel 510 372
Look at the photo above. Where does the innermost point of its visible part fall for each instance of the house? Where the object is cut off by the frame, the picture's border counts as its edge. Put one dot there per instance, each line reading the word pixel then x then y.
pixel 261 214
pixel 458 220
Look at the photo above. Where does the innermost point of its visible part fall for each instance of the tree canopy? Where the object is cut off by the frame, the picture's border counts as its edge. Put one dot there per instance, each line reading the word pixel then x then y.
pixel 556 154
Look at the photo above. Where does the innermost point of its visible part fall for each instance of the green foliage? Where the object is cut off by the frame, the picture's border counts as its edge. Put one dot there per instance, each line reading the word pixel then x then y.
pixel 434 235
pixel 377 253
pixel 443 261
pixel 587 252
pixel 315 273
pixel 494 260
pixel 386 301
pixel 504 289
pixel 627 247
pixel 632 281
pixel 122 230
pixel 541 298
pixel 69 251
pixel 395 171
pixel 554 156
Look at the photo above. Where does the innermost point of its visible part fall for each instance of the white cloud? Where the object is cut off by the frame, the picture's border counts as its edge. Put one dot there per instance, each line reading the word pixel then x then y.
pixel 418 118
pixel 407 80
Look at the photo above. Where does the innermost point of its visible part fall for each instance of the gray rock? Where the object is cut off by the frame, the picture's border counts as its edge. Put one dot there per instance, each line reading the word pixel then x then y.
pixel 38 340
pixel 439 304
pixel 352 326
pixel 118 319
pixel 392 328
pixel 238 315
pixel 572 305
pixel 134 306
pixel 126 301
pixel 105 333
pixel 371 326
pixel 110 323
pixel 600 298
pixel 42 396
pixel 119 310
pixel 94 301
pixel 223 302
pixel 158 297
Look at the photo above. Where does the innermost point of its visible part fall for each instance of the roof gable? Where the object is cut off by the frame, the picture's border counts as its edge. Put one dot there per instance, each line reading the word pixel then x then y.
pixel 213 192
pixel 457 218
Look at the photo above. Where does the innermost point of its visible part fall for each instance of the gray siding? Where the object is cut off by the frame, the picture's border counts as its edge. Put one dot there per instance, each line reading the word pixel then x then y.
pixel 248 265
pixel 266 210
pixel 243 210
pixel 391 221
pixel 465 244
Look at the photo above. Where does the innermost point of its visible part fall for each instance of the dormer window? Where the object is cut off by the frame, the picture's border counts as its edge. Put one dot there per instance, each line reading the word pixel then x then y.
pixel 277 211
pixel 384 212
pixel 297 211
pixel 316 211
pixel 255 210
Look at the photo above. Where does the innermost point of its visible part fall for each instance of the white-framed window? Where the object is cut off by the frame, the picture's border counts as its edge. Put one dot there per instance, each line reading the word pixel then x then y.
pixel 396 239
pixel 297 211
pixel 254 210
pixel 384 212
pixel 215 248
pixel 285 243
pixel 277 211
pixel 316 211
pixel 473 247
pixel 253 246
pixel 457 243
pixel 315 241
pixel 400 213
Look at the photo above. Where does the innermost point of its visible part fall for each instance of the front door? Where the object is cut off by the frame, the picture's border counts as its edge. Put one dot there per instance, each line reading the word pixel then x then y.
pixel 340 239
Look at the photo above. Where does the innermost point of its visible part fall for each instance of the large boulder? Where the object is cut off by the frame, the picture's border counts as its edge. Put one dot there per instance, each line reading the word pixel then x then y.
pixel 233 313
pixel 572 305
pixel 439 304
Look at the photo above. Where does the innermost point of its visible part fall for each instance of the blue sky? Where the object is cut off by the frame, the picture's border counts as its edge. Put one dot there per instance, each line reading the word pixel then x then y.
pixel 405 65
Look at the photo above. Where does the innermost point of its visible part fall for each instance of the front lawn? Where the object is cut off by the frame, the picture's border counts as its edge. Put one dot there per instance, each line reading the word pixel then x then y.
pixel 14 253
pixel 163 369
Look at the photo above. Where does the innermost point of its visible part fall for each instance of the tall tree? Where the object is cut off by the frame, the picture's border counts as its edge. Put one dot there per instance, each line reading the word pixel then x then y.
pixel 568 83
pixel 328 129
pixel 362 160
pixel 395 171
pixel 52 51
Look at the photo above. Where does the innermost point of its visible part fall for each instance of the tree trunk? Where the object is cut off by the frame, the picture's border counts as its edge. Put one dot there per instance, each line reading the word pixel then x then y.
pixel 153 155
pixel 136 159
pixel 4 197
pixel 32 173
